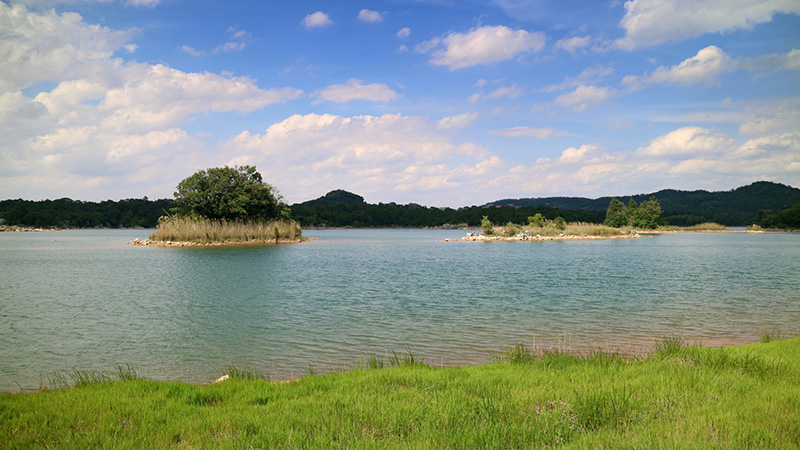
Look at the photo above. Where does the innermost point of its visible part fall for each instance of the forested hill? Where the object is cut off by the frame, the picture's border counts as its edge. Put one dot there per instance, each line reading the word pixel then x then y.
pixel 344 209
pixel 738 207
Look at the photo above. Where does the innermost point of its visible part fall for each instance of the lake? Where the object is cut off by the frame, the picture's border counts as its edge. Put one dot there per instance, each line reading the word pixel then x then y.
pixel 83 299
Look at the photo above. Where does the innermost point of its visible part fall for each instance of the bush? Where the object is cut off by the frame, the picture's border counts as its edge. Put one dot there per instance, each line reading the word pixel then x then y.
pixel 487 226
pixel 560 223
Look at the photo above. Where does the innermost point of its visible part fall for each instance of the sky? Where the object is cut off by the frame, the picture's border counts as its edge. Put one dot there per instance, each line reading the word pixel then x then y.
pixel 437 102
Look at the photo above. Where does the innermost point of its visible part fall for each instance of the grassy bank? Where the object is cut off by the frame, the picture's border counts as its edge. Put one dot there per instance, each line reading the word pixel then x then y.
pixel 679 397
pixel 206 231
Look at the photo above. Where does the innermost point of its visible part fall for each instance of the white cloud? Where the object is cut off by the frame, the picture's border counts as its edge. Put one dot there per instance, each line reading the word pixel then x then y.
pixel 532 132
pixel 399 157
pixel 369 16
pixel 687 141
pixel 652 22
pixel 573 44
pixel 50 46
pixel 711 62
pixel 589 75
pixel 484 45
pixel 107 126
pixel 773 62
pixel 356 90
pixel 404 33
pixel 145 3
pixel 574 155
pixel 238 44
pixel 584 96
pixel 192 51
pixel 513 91
pixel 456 122
pixel 705 67
pixel 316 20
pixel 771 118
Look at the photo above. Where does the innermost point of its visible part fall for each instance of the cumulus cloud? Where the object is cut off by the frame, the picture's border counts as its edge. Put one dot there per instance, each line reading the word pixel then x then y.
pixel 356 90
pixel 484 45
pixel 703 68
pixel 50 46
pixel 456 122
pixel 686 141
pixel 369 16
pixel 316 20
pixel 574 155
pixel 711 62
pixel 584 96
pixel 106 125
pixel 531 132
pixel 369 154
pixel 652 22
pixel 404 33
pixel 513 91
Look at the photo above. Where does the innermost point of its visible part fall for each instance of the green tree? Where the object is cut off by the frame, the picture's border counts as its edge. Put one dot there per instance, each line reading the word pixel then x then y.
pixel 234 193
pixel 632 212
pixel 487 226
pixel 560 223
pixel 616 214
pixel 648 215
pixel 536 220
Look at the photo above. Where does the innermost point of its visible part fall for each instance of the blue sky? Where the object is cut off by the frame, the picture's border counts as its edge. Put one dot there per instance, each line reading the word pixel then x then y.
pixel 444 103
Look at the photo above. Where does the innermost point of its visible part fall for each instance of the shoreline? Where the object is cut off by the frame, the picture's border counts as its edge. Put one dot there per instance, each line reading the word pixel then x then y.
pixel 626 349
pixel 149 243
pixel 539 238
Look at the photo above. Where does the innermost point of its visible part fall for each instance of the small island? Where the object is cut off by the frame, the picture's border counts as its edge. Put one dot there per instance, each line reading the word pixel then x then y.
pixel 225 206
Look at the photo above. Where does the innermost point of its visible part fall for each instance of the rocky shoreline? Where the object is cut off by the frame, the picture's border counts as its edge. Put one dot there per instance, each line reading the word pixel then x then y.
pixel 537 237
pixel 148 242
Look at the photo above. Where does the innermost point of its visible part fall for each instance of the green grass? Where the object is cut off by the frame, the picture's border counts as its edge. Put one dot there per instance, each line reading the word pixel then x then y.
pixel 679 397
pixel 205 231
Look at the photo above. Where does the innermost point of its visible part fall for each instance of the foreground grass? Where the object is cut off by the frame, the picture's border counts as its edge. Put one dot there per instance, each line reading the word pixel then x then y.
pixel 205 231
pixel 680 397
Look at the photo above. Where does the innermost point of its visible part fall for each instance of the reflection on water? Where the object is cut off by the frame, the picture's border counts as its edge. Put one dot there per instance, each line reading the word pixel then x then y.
pixel 83 299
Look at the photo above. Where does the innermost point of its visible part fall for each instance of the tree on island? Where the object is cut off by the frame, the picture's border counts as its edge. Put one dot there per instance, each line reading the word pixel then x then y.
pixel 233 193
pixel 644 216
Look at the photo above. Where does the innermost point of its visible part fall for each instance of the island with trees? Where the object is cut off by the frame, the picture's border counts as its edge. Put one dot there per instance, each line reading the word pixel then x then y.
pixel 225 205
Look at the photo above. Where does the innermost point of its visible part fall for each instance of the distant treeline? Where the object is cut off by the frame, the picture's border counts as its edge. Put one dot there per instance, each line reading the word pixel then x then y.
pixel 742 206
pixel 68 213
pixel 770 205
pixel 393 215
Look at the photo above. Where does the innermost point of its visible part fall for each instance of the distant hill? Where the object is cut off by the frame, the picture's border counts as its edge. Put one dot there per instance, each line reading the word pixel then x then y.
pixel 335 197
pixel 738 207
pixel 344 209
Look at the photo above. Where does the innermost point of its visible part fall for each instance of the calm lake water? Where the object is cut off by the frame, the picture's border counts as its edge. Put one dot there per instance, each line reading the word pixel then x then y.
pixel 83 299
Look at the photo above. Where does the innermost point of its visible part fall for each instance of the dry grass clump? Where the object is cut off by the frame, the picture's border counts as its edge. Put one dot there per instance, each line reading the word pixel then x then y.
pixel 706 226
pixel 206 231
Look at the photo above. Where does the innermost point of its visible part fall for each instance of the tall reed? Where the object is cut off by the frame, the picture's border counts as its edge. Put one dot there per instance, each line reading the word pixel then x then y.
pixel 206 231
